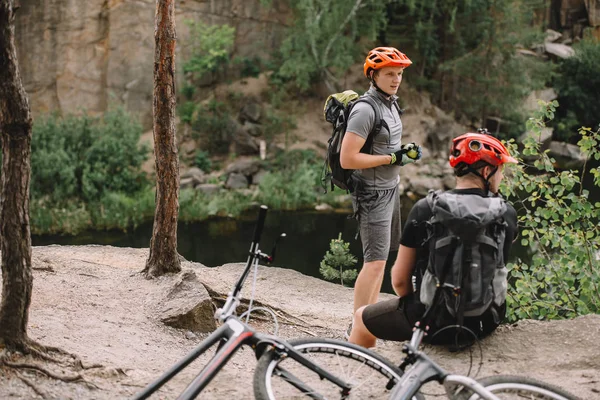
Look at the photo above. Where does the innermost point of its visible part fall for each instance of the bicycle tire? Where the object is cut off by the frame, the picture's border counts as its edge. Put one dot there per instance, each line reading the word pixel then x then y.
pixel 369 376
pixel 509 387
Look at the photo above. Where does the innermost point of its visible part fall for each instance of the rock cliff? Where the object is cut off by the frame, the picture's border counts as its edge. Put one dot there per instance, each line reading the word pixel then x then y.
pixel 84 55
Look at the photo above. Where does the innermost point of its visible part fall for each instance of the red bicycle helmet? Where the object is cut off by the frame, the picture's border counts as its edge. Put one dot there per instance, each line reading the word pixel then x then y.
pixel 473 147
pixel 381 57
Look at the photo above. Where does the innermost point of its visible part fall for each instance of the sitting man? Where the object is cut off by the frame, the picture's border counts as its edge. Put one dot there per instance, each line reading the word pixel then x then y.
pixel 458 240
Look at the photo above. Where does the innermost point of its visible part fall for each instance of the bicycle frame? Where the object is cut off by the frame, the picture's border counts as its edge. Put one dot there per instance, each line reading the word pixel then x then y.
pixel 423 369
pixel 234 334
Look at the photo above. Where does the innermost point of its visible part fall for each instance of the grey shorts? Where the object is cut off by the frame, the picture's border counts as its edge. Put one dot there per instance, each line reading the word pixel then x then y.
pixel 378 215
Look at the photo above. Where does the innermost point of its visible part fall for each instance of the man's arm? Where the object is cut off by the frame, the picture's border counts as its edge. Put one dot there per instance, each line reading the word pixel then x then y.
pixel 402 270
pixel 352 158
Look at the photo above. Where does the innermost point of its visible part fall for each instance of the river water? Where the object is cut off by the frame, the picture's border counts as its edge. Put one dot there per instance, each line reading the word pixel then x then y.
pixel 218 241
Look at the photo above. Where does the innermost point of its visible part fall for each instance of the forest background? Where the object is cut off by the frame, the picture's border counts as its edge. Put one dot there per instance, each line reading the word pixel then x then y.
pixel 477 60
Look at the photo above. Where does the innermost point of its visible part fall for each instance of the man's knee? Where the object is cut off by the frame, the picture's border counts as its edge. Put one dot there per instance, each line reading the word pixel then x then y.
pixel 377 266
pixel 360 334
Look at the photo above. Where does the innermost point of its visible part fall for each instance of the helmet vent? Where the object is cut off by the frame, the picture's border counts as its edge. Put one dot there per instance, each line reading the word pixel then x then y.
pixel 475 145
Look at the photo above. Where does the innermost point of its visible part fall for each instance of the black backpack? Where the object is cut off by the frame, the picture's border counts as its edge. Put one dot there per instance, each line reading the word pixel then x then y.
pixel 337 110
pixel 465 239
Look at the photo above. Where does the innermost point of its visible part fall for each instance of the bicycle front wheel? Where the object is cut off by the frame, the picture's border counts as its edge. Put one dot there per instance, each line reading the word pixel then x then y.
pixel 284 378
pixel 508 387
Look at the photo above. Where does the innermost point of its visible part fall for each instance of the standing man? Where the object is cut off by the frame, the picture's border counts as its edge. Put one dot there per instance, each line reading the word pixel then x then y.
pixel 478 160
pixel 375 198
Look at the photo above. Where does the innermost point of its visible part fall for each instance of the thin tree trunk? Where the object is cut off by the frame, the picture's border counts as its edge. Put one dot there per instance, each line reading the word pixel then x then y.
pixel 163 245
pixel 15 235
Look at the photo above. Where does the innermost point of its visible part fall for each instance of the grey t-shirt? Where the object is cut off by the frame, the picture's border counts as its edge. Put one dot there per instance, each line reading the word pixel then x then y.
pixel 360 122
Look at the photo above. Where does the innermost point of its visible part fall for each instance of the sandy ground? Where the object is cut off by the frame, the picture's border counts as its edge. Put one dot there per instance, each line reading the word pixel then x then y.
pixel 91 301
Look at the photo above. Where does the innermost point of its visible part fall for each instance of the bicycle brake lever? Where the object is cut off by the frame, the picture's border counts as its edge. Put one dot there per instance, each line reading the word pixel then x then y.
pixel 282 236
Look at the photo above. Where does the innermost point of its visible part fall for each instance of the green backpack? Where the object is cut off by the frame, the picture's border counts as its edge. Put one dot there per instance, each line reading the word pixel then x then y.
pixel 336 111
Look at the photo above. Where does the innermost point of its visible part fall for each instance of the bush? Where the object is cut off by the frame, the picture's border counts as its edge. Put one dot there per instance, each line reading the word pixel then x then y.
pixel 202 161
pixel 293 182
pixel 213 126
pixel 80 158
pixel 561 226
pixel 120 211
pixel 336 260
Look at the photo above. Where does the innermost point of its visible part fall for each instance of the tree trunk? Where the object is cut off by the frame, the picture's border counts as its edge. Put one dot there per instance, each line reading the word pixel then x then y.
pixel 163 245
pixel 15 236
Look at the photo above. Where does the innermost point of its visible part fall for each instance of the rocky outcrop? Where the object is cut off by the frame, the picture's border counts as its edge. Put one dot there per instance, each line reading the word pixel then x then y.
pixel 188 305
pixel 84 55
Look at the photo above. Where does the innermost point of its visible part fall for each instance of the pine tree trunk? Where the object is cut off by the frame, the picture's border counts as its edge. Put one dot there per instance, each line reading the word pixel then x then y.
pixel 15 235
pixel 163 245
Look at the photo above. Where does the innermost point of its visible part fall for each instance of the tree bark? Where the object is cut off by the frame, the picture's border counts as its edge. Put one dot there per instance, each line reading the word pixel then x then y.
pixel 15 235
pixel 163 245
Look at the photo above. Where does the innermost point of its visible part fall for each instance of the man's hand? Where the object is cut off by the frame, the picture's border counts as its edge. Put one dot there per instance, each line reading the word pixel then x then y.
pixel 408 153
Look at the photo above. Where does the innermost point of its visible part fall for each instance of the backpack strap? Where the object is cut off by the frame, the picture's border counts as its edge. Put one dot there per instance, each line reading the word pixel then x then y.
pixel 379 122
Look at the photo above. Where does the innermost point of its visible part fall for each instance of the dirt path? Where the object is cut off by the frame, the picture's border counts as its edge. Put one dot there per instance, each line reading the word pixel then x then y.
pixel 89 300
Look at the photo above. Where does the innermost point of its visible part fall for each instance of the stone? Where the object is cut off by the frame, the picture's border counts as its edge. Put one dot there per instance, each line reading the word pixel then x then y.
pixel 236 180
pixel 251 112
pixel 567 155
pixel 208 188
pixel 552 36
pixel 559 50
pixel 185 183
pixel 188 305
pixel 531 102
pixel 543 139
pixel 420 185
pixel 195 174
pixel 253 129
pixel 82 55
pixel 244 143
pixel 246 166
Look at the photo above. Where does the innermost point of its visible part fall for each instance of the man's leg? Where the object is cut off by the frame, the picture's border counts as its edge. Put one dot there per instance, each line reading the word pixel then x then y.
pixel 368 283
pixel 389 320
pixel 360 334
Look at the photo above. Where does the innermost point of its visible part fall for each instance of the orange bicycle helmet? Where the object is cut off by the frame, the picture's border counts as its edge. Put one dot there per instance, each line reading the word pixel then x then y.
pixel 381 57
pixel 471 148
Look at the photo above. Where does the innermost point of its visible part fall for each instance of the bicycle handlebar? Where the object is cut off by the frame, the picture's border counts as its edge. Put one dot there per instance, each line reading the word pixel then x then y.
pixel 260 223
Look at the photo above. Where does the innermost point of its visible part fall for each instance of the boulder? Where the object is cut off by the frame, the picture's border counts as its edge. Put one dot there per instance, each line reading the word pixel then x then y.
pixel 196 175
pixel 243 142
pixel 543 139
pixel 567 156
pixel 188 305
pixel 236 180
pixel 208 188
pixel 559 50
pixel 552 36
pixel 253 129
pixel 246 166
pixel 251 111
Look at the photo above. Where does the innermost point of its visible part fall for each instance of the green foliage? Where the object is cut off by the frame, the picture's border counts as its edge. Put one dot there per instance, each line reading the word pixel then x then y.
pixel 249 66
pixel 211 46
pixel 578 85
pixel 195 205
pixel 121 211
pixel 80 158
pixel 336 261
pixel 213 126
pixel 467 53
pixel 202 161
pixel 290 189
pixel 322 42
pixel 48 219
pixel 561 226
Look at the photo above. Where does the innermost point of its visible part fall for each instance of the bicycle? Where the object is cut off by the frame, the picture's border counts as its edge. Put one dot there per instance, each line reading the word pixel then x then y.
pixel 499 387
pixel 314 368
